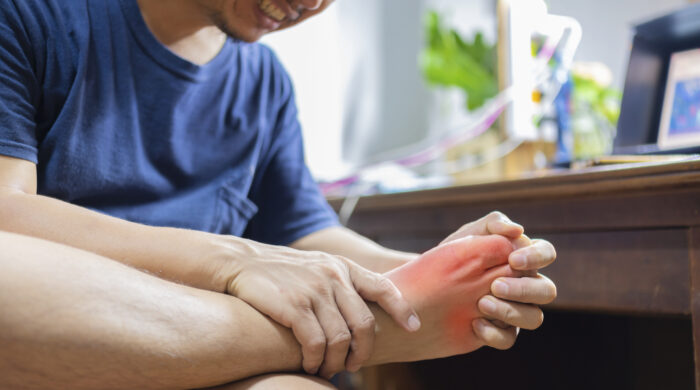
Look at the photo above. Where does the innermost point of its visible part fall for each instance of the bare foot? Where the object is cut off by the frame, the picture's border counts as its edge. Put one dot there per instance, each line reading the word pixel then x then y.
pixel 444 286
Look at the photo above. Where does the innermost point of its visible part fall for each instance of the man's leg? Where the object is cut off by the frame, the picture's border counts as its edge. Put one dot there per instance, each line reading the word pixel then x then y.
pixel 72 319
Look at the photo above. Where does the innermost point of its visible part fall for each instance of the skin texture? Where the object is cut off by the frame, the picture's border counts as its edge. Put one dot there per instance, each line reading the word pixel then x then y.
pixel 75 320
pixel 324 302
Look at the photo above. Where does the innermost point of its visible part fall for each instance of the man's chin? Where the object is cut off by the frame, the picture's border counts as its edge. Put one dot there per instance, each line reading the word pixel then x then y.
pixel 248 39
pixel 253 36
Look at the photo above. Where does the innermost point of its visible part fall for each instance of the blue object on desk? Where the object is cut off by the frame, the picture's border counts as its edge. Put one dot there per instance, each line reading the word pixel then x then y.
pixel 565 134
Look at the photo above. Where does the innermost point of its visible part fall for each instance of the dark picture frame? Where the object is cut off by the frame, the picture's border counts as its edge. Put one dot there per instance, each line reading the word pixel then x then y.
pixel 654 44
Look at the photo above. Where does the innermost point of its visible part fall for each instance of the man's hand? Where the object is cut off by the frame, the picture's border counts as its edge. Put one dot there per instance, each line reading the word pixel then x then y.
pixel 514 300
pixel 320 297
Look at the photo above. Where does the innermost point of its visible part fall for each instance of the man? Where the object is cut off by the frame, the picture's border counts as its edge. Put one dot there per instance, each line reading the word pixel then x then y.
pixel 149 132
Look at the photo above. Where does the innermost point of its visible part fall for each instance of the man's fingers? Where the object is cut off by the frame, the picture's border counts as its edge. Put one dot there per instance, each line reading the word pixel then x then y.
pixel 310 335
pixel 377 288
pixel 532 289
pixel 533 257
pixel 360 321
pixel 511 313
pixel 521 241
pixel 494 336
pixel 337 337
pixel 500 324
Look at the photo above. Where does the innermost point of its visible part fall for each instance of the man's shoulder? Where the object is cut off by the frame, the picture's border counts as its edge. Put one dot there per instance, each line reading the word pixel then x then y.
pixel 262 63
pixel 260 56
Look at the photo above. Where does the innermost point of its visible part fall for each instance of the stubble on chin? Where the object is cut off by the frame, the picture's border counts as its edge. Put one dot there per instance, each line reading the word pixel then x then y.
pixel 218 19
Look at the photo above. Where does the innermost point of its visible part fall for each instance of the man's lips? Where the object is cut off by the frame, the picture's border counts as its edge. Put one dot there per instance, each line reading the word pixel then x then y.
pixel 264 19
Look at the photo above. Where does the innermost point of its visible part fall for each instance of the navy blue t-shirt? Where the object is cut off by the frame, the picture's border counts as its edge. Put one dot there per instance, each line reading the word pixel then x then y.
pixel 119 124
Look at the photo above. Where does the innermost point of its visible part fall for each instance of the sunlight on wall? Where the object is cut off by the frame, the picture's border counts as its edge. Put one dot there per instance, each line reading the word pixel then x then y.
pixel 314 60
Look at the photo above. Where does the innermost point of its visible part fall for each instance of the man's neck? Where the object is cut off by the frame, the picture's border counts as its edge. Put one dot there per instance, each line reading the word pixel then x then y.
pixel 183 27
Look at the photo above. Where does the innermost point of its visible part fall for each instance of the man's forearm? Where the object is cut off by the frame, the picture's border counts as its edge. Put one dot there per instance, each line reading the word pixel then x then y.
pixel 75 320
pixel 176 254
pixel 344 242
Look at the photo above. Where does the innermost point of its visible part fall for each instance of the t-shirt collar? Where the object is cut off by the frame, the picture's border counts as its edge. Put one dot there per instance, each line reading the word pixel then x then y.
pixel 166 58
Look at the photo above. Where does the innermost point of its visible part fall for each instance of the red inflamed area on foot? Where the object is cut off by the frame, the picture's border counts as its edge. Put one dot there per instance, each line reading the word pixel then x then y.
pixel 446 283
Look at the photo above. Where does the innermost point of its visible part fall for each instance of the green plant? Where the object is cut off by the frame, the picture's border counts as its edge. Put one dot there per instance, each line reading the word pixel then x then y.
pixel 450 61
pixel 596 109
pixel 604 101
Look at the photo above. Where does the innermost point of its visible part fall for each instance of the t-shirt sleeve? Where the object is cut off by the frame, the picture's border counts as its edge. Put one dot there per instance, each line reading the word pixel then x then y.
pixel 290 204
pixel 18 88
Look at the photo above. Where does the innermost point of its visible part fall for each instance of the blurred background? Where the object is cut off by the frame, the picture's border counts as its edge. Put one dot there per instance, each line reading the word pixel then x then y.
pixel 362 73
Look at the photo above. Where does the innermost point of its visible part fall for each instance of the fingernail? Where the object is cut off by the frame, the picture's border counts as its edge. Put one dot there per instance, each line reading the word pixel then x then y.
pixel 479 325
pixel 518 260
pixel 488 305
pixel 413 323
pixel 500 288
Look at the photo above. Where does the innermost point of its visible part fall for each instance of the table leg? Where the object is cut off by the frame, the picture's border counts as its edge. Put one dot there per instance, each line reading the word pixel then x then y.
pixel 694 236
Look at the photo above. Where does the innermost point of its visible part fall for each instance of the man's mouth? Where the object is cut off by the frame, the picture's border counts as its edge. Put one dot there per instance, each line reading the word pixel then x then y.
pixel 271 10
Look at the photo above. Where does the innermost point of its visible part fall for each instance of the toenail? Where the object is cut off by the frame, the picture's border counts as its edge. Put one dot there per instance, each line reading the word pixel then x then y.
pixel 413 323
pixel 500 288
pixel 518 260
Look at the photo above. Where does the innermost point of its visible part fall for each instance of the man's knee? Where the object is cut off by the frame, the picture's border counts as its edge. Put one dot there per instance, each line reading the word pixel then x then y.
pixel 280 381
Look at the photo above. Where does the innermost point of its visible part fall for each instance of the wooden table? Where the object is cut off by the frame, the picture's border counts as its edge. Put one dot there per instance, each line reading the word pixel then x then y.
pixel 628 243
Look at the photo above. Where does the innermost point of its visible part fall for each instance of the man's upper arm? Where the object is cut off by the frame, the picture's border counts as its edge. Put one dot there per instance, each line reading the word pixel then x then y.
pixel 17 175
